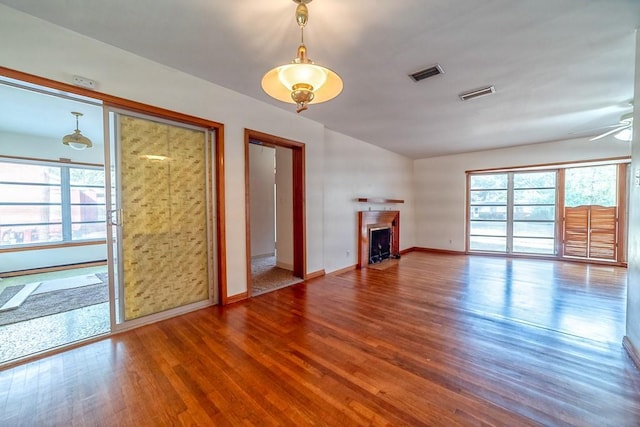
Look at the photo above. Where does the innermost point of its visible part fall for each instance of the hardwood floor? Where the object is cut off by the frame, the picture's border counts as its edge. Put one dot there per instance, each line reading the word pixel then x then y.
pixel 437 340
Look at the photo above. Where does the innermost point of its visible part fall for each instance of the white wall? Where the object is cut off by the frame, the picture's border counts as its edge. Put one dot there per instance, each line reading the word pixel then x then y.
pixel 261 182
pixel 356 169
pixel 633 287
pixel 440 182
pixel 284 208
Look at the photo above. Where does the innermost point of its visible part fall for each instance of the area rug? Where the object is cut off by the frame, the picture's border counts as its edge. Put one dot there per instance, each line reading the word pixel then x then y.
pixel 58 301
pixel 265 276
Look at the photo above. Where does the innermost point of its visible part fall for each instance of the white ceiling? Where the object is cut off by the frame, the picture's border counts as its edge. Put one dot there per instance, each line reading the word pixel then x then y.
pixel 562 69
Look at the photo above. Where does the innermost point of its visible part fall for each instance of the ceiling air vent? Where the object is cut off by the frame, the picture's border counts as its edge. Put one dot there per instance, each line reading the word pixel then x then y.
pixel 478 92
pixel 426 73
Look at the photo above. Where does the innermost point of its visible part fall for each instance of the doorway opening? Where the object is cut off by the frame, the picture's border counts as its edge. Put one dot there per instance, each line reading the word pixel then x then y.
pixel 61 209
pixel 275 212
pixel 594 212
pixel 53 275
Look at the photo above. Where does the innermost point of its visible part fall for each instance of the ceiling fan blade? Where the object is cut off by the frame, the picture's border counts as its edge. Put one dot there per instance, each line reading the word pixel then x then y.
pixel 600 128
pixel 612 131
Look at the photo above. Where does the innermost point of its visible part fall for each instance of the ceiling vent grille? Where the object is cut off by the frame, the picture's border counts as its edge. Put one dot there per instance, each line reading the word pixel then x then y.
pixel 426 73
pixel 478 92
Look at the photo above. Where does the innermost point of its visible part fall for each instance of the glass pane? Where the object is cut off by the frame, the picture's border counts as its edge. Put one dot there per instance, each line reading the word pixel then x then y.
pixel 534 229
pixel 534 180
pixel 482 243
pixel 595 185
pixel 488 228
pixel 17 172
pixel 24 193
pixel 496 197
pixel 21 214
pixel 96 230
pixel 489 212
pixel 530 197
pixel 539 213
pixel 90 196
pixel 86 177
pixel 488 181
pixel 533 246
pixel 87 213
pixel 30 234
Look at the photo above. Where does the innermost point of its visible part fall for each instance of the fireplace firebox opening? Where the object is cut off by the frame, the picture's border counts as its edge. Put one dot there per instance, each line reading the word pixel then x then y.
pixel 379 244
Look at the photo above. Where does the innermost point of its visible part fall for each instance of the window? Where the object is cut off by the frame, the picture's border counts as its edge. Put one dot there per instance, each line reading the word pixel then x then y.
pixel 49 203
pixel 513 212
pixel 488 212
pixel 534 212
pixel 594 185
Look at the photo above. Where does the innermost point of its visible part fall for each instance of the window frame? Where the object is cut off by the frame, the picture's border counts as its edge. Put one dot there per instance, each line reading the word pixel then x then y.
pixel 510 205
pixel 622 164
pixel 65 205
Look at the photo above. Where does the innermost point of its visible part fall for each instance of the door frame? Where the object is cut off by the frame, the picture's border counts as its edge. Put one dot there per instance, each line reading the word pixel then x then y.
pixel 110 101
pixel 621 204
pixel 299 207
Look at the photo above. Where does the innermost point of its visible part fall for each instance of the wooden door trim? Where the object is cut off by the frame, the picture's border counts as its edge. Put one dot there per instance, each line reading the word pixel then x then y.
pixel 299 205
pixel 622 212
pixel 620 249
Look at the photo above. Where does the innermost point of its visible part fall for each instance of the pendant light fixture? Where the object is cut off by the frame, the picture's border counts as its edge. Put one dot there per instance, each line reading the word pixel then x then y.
pixel 302 82
pixel 77 140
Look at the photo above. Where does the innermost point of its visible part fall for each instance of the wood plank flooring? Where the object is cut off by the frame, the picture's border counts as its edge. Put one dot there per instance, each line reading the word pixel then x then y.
pixel 436 340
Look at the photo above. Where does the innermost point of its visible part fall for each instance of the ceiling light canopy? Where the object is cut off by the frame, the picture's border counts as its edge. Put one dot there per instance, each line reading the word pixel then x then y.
pixel 302 82
pixel 77 140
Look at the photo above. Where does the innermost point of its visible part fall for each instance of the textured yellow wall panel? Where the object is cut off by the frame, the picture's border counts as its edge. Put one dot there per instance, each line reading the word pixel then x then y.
pixel 164 220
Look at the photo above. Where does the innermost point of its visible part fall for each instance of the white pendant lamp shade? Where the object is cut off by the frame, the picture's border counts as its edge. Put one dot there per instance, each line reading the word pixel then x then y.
pixel 279 82
pixel 302 82
pixel 77 140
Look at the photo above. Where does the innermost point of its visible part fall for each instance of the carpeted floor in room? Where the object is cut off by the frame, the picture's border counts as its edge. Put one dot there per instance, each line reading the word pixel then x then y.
pixel 267 277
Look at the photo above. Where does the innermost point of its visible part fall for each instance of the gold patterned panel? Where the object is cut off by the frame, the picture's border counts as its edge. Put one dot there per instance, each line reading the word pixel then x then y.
pixel 164 221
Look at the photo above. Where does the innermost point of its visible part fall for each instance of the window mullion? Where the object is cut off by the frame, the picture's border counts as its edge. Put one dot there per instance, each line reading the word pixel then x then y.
pixel 510 215
pixel 65 195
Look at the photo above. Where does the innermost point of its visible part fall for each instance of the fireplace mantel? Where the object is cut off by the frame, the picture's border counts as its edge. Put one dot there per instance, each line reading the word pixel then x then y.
pixel 372 219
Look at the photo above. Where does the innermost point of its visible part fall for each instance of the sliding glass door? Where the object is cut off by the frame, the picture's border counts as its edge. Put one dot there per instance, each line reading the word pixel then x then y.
pixel 160 215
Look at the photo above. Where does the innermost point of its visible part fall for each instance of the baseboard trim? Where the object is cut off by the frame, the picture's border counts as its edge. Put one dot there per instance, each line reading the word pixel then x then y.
pixel 269 255
pixel 631 351
pixel 314 274
pixel 438 251
pixel 236 298
pixel 284 265
pixel 343 270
